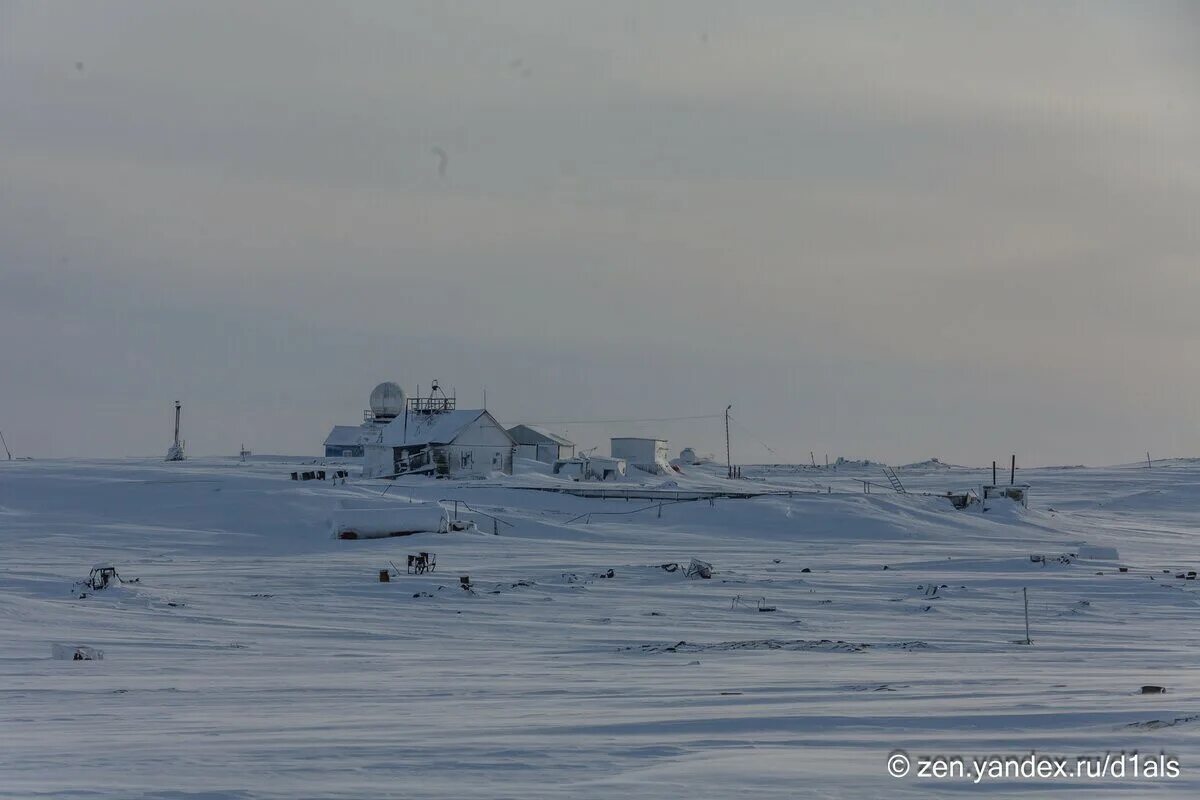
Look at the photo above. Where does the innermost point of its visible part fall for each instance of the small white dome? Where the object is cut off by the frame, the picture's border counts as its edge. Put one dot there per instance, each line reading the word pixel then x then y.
pixel 387 400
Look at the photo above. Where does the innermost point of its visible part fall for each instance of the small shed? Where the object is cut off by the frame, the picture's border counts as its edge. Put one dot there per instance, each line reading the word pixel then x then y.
pixel 650 455
pixel 540 444
pixel 454 443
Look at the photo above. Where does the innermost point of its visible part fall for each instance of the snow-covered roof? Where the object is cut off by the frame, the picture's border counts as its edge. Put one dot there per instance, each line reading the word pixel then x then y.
pixel 351 435
pixel 535 434
pixel 439 428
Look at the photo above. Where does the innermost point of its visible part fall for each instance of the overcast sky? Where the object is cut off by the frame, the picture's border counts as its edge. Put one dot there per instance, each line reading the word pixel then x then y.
pixel 890 231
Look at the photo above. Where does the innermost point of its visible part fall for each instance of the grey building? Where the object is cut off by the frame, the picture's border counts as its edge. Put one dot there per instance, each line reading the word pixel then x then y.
pixel 540 444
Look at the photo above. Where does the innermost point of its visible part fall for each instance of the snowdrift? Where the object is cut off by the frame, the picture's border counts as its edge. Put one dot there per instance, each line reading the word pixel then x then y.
pixel 380 523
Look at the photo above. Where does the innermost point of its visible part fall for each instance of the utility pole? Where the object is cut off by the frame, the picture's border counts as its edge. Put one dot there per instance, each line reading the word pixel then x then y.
pixel 1013 475
pixel 728 457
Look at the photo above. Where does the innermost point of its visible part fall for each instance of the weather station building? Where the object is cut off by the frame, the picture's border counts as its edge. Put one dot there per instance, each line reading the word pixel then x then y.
pixel 349 441
pixel 539 444
pixel 432 436
pixel 650 455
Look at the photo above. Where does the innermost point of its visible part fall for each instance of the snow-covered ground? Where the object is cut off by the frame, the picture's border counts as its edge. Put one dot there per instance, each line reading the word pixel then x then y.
pixel 258 657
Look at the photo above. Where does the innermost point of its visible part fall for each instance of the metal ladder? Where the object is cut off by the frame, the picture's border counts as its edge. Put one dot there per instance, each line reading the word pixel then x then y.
pixel 894 479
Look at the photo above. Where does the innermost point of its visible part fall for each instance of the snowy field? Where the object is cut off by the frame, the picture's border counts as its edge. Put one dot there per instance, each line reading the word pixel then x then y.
pixel 256 656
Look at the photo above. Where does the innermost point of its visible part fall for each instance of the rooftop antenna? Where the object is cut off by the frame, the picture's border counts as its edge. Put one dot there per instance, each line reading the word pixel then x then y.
pixel 175 452
pixel 6 450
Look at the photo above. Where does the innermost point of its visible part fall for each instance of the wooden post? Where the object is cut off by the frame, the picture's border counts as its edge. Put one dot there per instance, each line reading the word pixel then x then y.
pixel 993 473
pixel 1148 464
pixel 1013 476
pixel 1025 592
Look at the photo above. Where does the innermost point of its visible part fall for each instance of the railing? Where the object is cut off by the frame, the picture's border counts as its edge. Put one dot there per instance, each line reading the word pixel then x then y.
pixel 587 516
pixel 495 520
pixel 430 405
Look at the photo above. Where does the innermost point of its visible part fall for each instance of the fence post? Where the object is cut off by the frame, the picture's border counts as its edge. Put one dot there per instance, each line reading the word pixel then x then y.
pixel 1025 592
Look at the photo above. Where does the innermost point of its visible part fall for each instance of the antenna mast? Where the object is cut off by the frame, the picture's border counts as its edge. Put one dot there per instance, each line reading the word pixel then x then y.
pixel 175 452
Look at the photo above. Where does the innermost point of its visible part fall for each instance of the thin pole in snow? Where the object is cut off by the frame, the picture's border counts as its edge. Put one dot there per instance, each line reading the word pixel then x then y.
pixel 993 473
pixel 1013 476
pixel 1025 592
pixel 1148 464
pixel 6 450
pixel 728 457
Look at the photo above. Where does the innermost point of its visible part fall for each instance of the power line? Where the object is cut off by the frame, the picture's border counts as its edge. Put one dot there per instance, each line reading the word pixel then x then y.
pixel 747 431
pixel 614 421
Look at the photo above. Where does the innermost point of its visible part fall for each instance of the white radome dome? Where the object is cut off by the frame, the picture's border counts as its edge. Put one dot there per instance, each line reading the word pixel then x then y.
pixel 387 400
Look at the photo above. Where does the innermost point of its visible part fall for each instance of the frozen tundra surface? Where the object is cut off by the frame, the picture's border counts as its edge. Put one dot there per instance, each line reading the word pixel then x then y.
pixel 257 657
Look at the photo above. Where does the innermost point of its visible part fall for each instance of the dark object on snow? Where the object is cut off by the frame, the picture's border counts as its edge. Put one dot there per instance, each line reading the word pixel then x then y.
pixel 101 577
pixel 885 566
pixel 1154 690
pixel 777 560
pixel 421 563
pixel 806 569
pixel 1122 569
pixel 672 567
pixel 464 581
pixel 347 535
pixel 698 569
pixel 76 653
pixel 384 576
pixel 295 476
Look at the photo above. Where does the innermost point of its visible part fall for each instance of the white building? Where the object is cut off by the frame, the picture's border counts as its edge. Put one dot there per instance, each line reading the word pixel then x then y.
pixel 540 444
pixel 455 443
pixel 650 455
pixel 349 441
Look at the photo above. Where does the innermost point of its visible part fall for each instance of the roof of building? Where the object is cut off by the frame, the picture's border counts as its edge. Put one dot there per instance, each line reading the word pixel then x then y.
pixel 440 428
pixel 535 434
pixel 351 435
pixel 637 439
